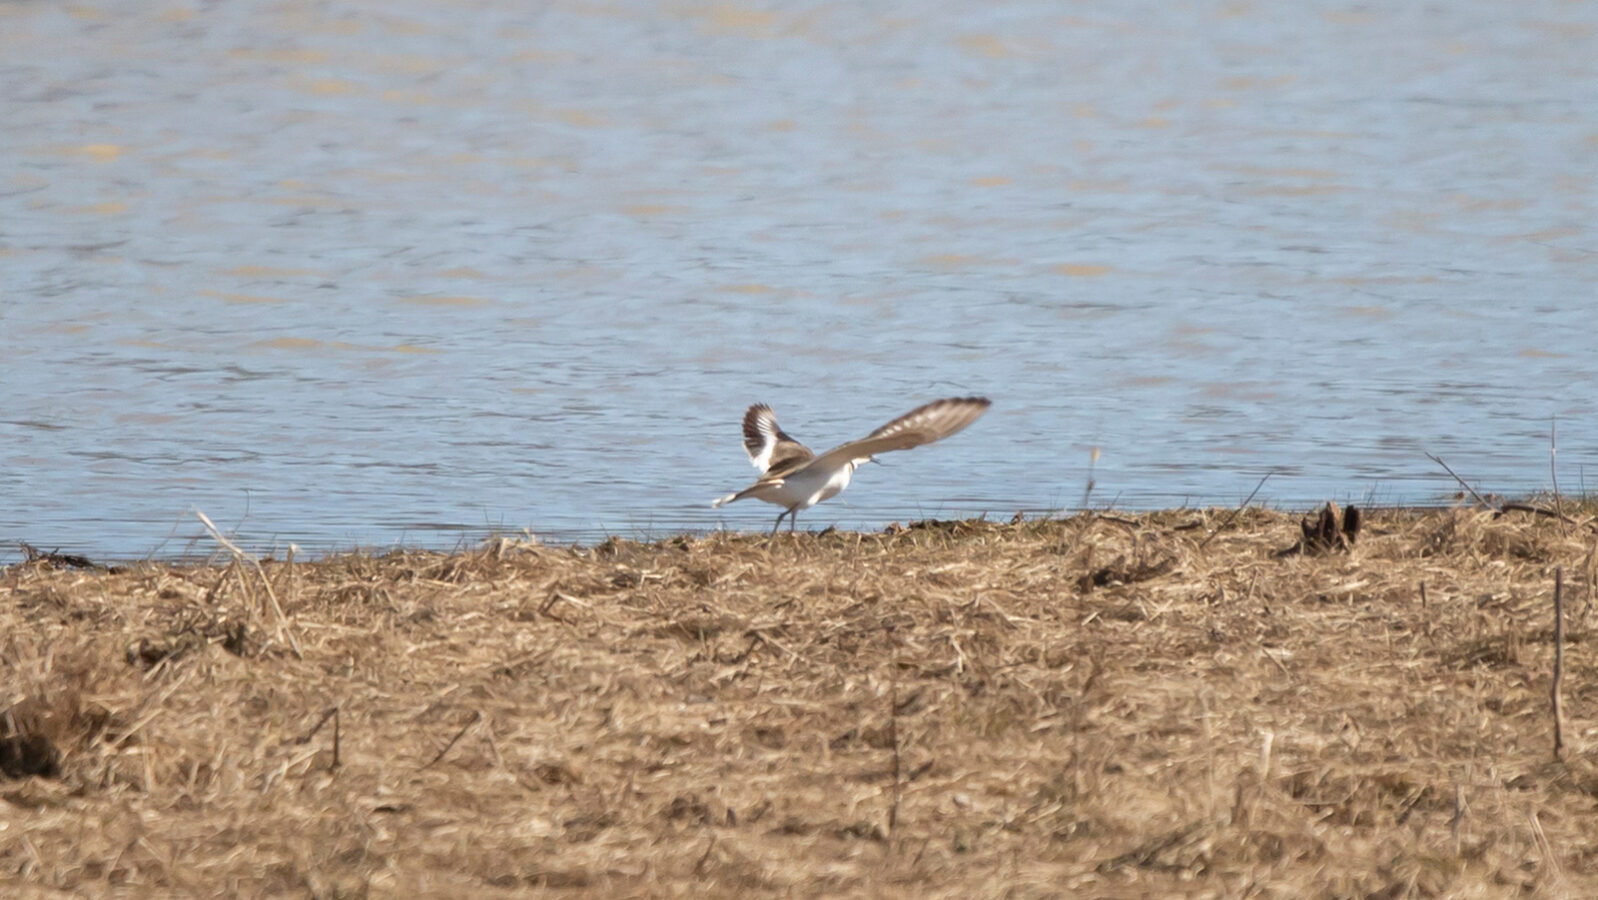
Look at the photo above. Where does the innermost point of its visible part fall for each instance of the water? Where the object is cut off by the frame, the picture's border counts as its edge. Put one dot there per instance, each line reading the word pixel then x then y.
pixel 363 274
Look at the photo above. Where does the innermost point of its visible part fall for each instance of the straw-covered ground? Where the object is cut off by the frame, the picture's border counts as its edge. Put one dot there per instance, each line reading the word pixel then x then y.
pixel 1103 706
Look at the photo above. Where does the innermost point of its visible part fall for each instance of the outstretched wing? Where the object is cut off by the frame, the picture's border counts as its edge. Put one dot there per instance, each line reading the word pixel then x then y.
pixel 771 449
pixel 922 425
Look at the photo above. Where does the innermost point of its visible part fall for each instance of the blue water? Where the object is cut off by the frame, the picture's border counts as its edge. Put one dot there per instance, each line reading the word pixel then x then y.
pixel 357 275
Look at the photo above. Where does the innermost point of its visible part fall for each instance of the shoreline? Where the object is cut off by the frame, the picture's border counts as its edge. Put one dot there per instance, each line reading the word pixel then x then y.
pixel 19 551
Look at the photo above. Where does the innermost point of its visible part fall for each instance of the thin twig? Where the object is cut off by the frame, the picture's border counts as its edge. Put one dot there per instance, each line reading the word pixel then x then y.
pixel 893 737
pixel 332 713
pixel 1462 483
pixel 1425 613
pixel 477 716
pixel 1553 468
pixel 306 737
pixel 237 568
pixel 216 534
pixel 1088 490
pixel 239 556
pixel 294 592
pixel 1513 506
pixel 277 609
pixel 1559 659
pixel 1235 512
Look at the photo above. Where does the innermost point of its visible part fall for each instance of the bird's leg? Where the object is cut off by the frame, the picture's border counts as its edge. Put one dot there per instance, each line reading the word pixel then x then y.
pixel 778 523
pixel 793 516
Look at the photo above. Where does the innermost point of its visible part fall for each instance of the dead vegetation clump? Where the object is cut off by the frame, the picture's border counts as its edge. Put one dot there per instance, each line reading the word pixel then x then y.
pixel 1108 706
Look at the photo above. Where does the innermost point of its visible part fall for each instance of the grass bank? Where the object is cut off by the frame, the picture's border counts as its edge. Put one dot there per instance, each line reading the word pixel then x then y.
pixel 1102 706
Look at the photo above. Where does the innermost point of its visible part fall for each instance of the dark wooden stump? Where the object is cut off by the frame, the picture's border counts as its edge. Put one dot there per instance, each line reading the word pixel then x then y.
pixel 1330 531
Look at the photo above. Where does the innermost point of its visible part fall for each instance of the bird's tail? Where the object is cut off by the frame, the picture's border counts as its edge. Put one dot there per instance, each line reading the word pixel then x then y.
pixel 727 499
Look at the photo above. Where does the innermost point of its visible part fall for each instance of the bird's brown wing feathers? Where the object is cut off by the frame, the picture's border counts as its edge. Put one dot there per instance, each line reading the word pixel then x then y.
pixel 922 425
pixel 771 449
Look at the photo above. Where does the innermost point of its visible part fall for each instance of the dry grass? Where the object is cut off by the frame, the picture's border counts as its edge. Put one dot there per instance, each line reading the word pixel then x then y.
pixel 1093 707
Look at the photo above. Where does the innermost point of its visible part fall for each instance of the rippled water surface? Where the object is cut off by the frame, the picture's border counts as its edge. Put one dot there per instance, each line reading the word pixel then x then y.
pixel 366 273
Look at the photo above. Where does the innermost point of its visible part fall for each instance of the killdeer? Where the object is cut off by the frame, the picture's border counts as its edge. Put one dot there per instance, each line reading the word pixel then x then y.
pixel 793 477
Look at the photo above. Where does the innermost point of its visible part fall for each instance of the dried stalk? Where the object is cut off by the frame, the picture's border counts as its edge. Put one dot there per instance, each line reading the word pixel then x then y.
pixel 283 630
pixel 477 716
pixel 893 738
pixel 1553 469
pixel 1463 483
pixel 1559 660
pixel 1246 501
pixel 331 713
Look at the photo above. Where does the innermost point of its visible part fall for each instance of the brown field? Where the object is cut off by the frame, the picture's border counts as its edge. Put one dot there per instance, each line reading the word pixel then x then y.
pixel 1096 707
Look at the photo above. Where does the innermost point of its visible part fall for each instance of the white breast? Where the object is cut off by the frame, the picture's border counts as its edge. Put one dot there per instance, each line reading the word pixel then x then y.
pixel 815 485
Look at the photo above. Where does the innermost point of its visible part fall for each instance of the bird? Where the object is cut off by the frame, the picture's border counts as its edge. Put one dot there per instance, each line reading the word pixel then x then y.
pixel 793 477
